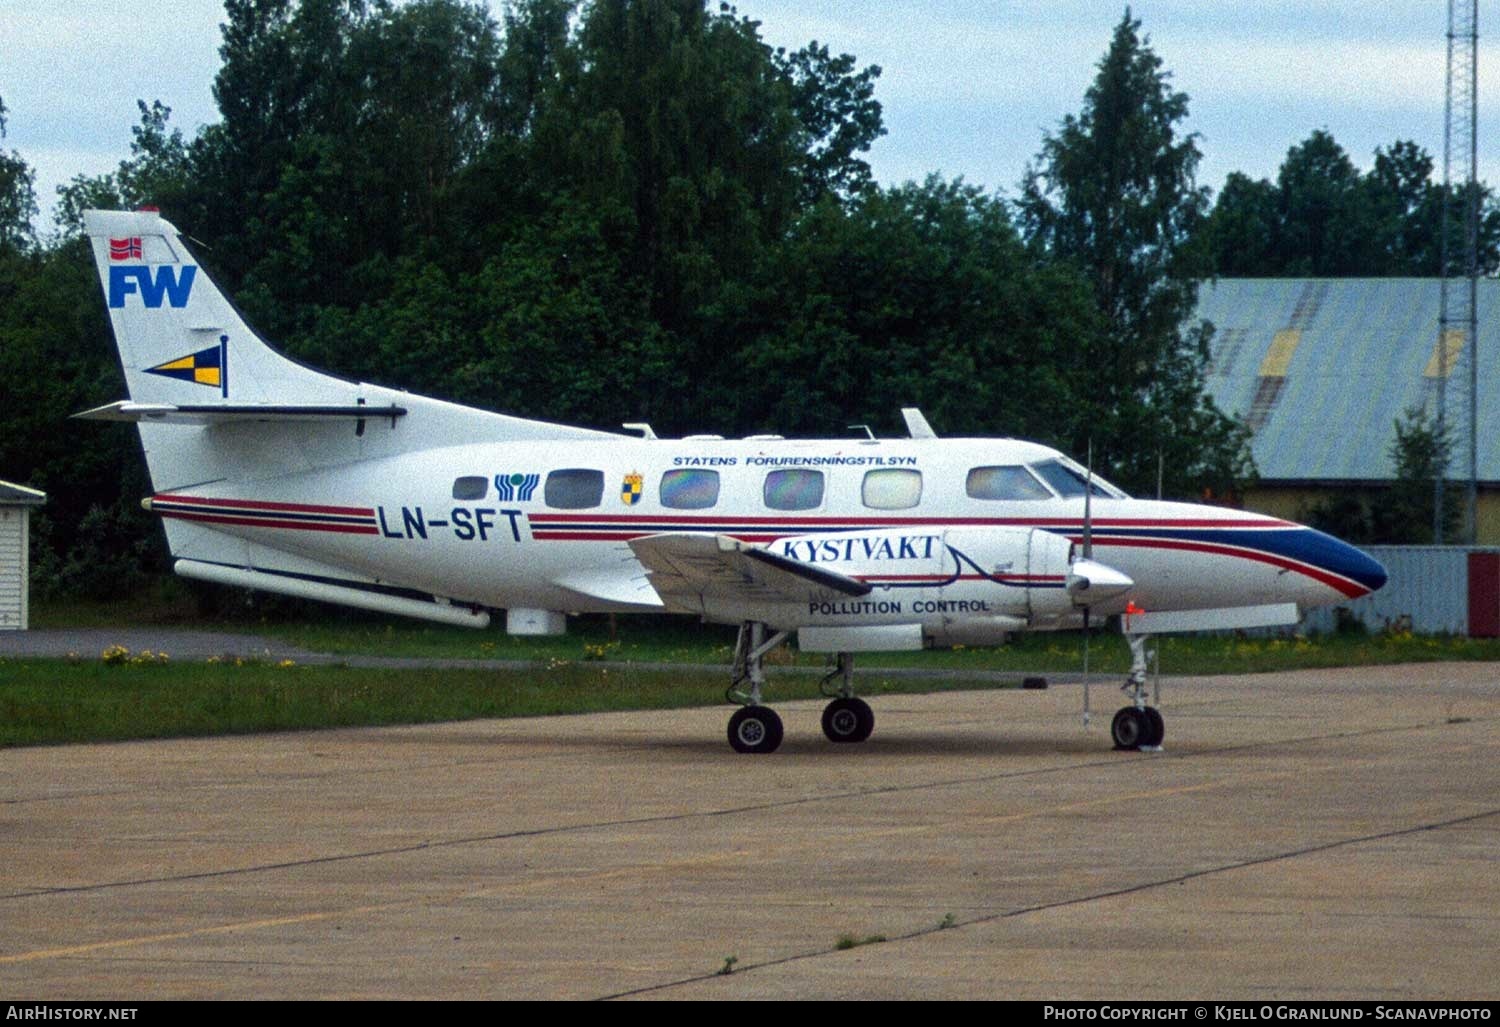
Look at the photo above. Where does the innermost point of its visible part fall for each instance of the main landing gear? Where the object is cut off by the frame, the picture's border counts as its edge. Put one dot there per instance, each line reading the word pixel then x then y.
pixel 757 728
pixel 753 728
pixel 1137 726
pixel 848 718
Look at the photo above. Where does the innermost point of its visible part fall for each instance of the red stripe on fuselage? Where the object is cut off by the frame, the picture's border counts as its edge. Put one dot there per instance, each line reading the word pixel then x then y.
pixel 258 504
pixel 267 522
pixel 1342 584
pixel 647 521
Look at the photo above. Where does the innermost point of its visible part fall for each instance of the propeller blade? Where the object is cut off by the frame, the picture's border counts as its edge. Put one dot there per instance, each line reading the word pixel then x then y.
pixel 1088 506
pixel 1086 633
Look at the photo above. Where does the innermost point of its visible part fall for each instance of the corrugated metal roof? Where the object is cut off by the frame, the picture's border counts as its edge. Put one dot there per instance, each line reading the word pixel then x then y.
pixel 1321 368
pixel 20 495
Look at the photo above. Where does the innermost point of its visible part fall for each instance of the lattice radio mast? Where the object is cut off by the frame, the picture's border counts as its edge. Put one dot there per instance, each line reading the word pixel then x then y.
pixel 1457 312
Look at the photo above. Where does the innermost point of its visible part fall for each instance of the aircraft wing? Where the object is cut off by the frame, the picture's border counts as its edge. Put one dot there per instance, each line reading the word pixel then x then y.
pixel 689 567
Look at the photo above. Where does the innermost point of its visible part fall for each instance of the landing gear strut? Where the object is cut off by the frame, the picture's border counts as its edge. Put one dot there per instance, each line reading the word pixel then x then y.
pixel 753 728
pixel 757 728
pixel 1137 726
pixel 847 718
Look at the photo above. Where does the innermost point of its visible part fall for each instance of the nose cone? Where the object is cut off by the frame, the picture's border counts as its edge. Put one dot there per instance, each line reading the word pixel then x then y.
pixel 1345 561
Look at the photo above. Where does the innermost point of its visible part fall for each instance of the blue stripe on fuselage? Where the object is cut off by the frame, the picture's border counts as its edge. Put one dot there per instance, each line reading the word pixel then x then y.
pixel 1305 545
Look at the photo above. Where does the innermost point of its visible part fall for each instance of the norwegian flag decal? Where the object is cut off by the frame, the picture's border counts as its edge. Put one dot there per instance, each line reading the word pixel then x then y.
pixel 125 249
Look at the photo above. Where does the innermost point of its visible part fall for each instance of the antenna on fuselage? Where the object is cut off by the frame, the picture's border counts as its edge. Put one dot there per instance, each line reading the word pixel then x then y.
pixel 641 426
pixel 916 425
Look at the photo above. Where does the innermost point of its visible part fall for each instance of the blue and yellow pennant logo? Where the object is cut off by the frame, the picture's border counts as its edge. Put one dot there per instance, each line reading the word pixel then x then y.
pixel 206 367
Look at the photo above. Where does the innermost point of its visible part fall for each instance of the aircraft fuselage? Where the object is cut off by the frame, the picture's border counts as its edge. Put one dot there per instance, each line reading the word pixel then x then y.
pixel 495 525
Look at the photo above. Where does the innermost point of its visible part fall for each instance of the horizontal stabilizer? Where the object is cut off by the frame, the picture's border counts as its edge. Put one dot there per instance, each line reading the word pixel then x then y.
pixel 224 413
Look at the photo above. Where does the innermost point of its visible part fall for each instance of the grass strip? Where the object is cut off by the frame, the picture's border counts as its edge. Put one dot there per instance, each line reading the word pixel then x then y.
pixel 48 702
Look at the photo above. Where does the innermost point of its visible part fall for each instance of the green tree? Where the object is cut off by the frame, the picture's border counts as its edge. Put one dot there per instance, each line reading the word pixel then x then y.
pixel 696 149
pixel 157 173
pixel 1318 193
pixel 1405 207
pixel 1323 217
pixel 839 115
pixel 56 360
pixel 1244 229
pixel 922 294
pixel 17 197
pixel 1114 193
pixel 1402 514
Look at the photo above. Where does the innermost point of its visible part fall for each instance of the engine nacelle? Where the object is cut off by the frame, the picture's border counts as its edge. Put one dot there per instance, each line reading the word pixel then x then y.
pixel 1016 571
pixel 963 585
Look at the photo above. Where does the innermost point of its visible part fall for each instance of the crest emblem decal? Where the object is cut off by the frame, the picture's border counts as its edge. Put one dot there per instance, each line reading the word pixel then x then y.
pixel 630 488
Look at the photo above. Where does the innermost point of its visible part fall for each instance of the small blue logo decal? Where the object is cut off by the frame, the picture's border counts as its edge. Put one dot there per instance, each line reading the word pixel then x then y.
pixel 516 487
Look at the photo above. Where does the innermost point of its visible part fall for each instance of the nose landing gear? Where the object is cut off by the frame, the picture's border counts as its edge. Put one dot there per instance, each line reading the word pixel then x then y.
pixel 1137 726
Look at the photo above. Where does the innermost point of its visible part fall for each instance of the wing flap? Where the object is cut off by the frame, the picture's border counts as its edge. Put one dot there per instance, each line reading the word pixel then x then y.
pixel 682 566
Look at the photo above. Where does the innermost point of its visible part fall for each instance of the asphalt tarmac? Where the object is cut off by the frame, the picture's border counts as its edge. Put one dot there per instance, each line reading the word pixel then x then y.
pixel 1319 834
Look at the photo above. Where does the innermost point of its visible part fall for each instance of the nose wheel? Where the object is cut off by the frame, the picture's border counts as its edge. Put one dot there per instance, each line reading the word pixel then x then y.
pixel 1138 728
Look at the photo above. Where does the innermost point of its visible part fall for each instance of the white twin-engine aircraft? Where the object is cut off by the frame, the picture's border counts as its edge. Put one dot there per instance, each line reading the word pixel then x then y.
pixel 270 475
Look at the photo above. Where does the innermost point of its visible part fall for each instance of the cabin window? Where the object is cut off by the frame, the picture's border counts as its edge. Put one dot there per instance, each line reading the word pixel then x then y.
pixel 574 489
pixel 689 489
pixel 470 486
pixel 796 489
pixel 892 488
pixel 1067 481
pixel 1011 483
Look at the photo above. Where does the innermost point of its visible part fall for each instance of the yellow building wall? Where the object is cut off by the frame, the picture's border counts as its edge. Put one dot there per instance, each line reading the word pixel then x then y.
pixel 1290 503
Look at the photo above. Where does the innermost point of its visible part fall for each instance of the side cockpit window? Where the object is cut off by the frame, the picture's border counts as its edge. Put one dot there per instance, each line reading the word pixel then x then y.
pixel 1012 482
pixel 1069 482
pixel 795 489
pixel 574 489
pixel 470 487
pixel 892 489
pixel 689 489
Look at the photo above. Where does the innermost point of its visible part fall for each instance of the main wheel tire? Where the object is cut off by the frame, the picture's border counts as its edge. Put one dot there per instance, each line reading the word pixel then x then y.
pixel 1129 728
pixel 755 729
pixel 848 720
pixel 1156 728
pixel 866 719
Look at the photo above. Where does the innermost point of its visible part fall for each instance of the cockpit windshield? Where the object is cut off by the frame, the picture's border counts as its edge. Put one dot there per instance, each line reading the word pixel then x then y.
pixel 1069 481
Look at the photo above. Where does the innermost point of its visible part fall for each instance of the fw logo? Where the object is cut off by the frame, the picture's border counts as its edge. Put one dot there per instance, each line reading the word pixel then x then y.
pixel 137 278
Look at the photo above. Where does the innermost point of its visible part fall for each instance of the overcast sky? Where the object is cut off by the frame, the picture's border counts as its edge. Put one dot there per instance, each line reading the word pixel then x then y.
pixel 969 86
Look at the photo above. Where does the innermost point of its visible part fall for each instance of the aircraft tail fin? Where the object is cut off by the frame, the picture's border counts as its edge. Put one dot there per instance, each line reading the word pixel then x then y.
pixel 181 341
pixel 213 400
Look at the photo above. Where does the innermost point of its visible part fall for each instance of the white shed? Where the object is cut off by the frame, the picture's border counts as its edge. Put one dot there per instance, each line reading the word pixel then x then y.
pixel 16 502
